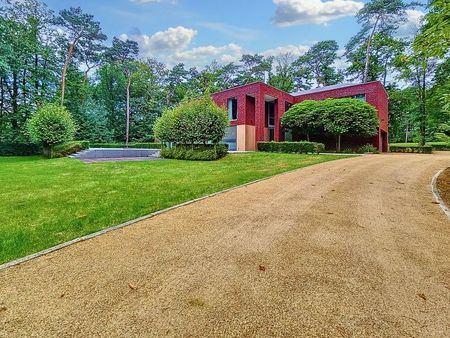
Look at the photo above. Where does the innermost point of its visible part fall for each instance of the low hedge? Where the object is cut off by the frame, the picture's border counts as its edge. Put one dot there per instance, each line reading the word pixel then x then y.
pixel 198 153
pixel 69 148
pixel 19 149
pixel 437 146
pixel 302 147
pixel 410 148
pixel 148 145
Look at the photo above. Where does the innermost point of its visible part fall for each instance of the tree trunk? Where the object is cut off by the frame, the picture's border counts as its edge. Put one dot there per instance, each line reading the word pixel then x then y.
pixel 307 137
pixel 369 47
pixel 64 71
pixel 338 143
pixel 127 132
pixel 423 108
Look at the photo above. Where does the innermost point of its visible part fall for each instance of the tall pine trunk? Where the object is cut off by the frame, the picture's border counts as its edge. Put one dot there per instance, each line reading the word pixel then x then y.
pixel 338 143
pixel 368 50
pixel 64 71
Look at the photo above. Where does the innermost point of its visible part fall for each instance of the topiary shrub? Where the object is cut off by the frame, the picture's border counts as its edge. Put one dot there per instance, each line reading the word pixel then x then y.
pixel 50 125
pixel 69 148
pixel 191 124
pixel 302 147
pixel 198 153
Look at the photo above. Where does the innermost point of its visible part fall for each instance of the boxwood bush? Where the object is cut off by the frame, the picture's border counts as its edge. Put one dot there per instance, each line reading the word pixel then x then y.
pixel 69 148
pixel 410 148
pixel 19 149
pixel 147 145
pixel 302 147
pixel 196 153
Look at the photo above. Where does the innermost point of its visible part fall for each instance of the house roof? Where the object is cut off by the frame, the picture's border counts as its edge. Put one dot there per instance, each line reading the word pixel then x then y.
pixel 327 88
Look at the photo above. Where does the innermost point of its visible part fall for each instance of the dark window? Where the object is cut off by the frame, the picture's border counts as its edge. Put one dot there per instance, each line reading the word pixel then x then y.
pixel 232 109
pixel 270 114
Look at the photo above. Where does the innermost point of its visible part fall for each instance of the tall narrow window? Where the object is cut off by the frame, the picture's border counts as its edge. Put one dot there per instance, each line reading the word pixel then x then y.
pixel 232 109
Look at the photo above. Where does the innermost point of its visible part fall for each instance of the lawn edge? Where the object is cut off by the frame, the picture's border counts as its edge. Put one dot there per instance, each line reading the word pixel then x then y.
pixel 436 194
pixel 63 245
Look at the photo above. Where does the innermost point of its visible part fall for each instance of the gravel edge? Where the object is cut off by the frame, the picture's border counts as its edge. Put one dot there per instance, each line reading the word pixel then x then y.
pixel 436 194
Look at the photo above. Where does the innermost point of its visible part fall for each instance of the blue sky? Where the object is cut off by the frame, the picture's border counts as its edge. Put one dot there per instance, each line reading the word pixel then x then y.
pixel 197 31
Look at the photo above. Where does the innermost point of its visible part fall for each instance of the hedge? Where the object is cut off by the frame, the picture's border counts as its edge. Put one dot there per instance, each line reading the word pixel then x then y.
pixel 198 153
pixel 19 149
pixel 302 147
pixel 69 148
pixel 410 148
pixel 152 145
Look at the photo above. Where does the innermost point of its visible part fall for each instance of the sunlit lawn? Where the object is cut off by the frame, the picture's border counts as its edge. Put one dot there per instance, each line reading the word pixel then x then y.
pixel 46 202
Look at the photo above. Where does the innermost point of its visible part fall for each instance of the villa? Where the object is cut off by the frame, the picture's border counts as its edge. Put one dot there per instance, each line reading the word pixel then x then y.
pixel 255 112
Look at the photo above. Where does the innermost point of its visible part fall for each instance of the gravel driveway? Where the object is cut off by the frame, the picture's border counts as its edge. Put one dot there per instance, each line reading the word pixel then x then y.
pixel 353 247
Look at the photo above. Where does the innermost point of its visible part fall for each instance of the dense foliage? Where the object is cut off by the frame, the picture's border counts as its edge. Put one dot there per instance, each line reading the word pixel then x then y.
pixel 334 116
pixel 196 153
pixel 50 125
pixel 411 148
pixel 303 147
pixel 195 121
pixel 116 96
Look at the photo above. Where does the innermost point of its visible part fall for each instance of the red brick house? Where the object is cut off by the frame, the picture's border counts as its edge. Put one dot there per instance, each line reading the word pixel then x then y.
pixel 255 112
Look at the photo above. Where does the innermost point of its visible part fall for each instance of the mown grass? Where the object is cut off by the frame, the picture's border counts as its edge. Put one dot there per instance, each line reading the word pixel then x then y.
pixel 46 202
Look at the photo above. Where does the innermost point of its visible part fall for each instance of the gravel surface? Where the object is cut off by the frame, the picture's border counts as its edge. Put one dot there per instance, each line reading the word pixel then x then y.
pixel 354 247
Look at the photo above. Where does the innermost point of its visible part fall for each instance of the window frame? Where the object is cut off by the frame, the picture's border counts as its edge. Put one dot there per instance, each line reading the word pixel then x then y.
pixel 230 113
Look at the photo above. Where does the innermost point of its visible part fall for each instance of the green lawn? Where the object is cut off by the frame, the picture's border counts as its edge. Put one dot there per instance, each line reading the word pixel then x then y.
pixel 46 202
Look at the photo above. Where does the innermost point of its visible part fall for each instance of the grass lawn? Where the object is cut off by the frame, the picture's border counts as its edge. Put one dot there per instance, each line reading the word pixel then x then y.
pixel 47 202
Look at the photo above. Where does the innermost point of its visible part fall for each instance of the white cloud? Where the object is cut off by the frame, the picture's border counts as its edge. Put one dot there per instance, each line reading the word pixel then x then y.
pixel 291 49
pixel 412 25
pixel 204 54
pixel 297 12
pixel 172 39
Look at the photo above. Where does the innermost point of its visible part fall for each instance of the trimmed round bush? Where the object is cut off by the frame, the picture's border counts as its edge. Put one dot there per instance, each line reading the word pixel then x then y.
pixel 196 121
pixel 50 125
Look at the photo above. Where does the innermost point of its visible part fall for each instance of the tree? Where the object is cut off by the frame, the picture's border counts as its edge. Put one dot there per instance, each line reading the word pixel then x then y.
pixel 378 16
pixel 402 108
pixel 348 117
pixel 51 125
pixel 284 73
pixel 316 66
pixel 434 39
pixel 82 34
pixel 254 68
pixel 124 53
pixel 195 121
pixel 304 117
pixel 417 68
pixel 92 122
pixel 385 49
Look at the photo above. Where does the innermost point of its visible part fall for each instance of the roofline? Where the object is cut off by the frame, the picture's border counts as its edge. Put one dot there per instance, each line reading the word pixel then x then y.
pixel 348 86
pixel 250 84
pixel 300 94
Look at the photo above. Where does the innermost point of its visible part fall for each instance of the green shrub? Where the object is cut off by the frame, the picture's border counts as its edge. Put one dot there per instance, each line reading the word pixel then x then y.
pixel 19 149
pixel 368 148
pixel 302 147
pixel 197 121
pixel 440 146
pixel 149 145
pixel 50 125
pixel 69 148
pixel 410 148
pixel 196 153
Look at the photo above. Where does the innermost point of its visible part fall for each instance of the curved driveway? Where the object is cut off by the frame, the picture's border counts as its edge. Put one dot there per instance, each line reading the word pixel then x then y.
pixel 353 247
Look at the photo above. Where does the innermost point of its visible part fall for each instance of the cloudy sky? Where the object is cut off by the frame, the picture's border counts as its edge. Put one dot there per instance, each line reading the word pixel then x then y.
pixel 198 31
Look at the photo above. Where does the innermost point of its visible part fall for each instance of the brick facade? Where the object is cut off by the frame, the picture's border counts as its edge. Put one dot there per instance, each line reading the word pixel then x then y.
pixel 251 107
